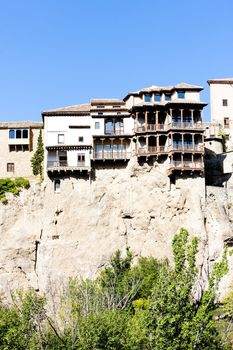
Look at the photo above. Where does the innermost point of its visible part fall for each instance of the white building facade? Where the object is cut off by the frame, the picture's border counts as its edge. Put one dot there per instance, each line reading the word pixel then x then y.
pixel 221 106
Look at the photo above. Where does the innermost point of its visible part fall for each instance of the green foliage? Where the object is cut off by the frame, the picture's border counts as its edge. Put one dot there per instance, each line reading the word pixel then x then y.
pixel 223 135
pixel 149 305
pixel 12 186
pixel 20 324
pixel 38 157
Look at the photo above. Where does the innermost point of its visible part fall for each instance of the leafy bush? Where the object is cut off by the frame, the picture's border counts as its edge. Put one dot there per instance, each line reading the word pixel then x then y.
pixel 12 186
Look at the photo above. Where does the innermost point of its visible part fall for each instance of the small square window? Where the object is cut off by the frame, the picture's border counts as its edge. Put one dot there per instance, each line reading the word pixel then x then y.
pixel 80 139
pixel 181 94
pixel 61 138
pixel 97 125
pixel 147 98
pixel 167 97
pixel 157 98
pixel 10 167
pixel 225 102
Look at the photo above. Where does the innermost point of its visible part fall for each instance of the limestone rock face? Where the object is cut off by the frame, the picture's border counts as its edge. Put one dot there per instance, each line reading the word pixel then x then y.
pixel 47 237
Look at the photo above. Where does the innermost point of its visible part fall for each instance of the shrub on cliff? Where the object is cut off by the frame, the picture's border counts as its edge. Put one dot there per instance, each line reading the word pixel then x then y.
pixel 12 186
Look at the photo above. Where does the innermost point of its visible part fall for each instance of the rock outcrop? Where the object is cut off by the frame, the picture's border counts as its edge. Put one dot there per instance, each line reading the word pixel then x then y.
pixel 47 237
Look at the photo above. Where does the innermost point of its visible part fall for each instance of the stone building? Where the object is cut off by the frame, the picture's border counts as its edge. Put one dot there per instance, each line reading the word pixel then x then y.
pixel 155 123
pixel 18 141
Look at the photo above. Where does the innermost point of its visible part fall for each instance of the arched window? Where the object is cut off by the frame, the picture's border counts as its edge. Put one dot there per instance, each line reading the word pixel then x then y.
pixel 57 186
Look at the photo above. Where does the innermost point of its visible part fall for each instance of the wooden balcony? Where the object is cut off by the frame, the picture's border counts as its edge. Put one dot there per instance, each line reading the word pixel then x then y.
pixel 152 150
pixel 150 127
pixel 186 148
pixel 185 125
pixel 62 166
pixel 111 155
pixel 185 165
pixel 117 132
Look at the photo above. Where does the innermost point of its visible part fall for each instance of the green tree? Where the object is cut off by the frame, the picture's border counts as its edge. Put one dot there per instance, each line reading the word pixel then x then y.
pixel 38 157
pixel 21 324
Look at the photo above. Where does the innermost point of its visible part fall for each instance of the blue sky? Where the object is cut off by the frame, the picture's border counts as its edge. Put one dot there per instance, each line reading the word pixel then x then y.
pixel 56 53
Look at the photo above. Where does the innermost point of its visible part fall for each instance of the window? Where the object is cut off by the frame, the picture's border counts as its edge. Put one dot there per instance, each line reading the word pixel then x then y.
pixel 109 126
pixel 147 98
pixel 57 186
pixel 100 106
pixel 61 138
pixel 81 159
pixel 225 102
pixel 181 94
pixel 11 134
pixel 100 113
pixel 167 97
pixel 16 148
pixel 116 106
pixel 18 133
pixel 80 139
pixel 157 98
pixel 226 122
pixel 97 125
pixel 25 134
pixel 10 167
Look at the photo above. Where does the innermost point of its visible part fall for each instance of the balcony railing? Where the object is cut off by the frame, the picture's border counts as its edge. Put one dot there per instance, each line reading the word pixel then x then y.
pixel 111 155
pixel 186 165
pixel 186 147
pixel 152 150
pixel 185 125
pixel 151 127
pixel 63 165
pixel 114 132
pixel 165 126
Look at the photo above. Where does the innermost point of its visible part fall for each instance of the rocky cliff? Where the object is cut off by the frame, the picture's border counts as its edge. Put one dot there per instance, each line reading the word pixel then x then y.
pixel 47 237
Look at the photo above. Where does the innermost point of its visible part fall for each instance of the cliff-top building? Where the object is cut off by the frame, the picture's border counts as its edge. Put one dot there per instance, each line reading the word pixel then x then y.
pixel 18 142
pixel 162 123
pixel 221 106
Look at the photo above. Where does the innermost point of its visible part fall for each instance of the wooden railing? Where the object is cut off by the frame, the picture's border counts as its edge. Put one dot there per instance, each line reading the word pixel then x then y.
pixel 63 164
pixel 114 132
pixel 185 125
pixel 178 164
pixel 151 127
pixel 186 147
pixel 111 155
pixel 152 150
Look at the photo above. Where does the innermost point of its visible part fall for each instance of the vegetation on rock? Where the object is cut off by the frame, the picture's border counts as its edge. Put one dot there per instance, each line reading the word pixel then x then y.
pixel 12 186
pixel 38 157
pixel 149 306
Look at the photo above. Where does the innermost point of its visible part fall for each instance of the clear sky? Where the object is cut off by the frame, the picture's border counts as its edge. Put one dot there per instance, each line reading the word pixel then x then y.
pixel 56 53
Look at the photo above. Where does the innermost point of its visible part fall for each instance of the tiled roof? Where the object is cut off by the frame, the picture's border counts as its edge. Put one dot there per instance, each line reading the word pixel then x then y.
pixel 24 124
pixel 155 88
pixel 113 101
pixel 70 109
pixel 220 81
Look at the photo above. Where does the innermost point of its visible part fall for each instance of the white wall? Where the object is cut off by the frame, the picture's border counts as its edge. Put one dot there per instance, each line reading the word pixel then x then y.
pixel 60 125
pixel 218 92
